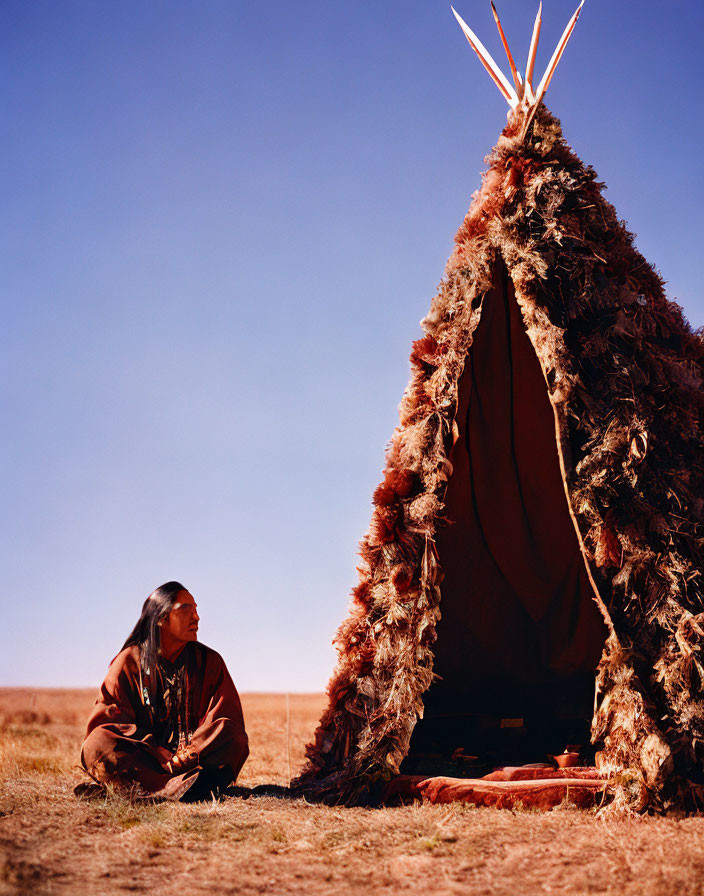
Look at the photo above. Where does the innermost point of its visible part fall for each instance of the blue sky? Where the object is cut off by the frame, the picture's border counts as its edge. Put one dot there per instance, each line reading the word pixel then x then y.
pixel 221 223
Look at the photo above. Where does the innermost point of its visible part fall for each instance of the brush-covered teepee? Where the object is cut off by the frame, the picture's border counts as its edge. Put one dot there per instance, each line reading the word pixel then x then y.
pixel 537 540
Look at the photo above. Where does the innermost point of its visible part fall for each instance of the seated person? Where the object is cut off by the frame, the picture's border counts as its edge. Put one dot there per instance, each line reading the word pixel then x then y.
pixel 168 721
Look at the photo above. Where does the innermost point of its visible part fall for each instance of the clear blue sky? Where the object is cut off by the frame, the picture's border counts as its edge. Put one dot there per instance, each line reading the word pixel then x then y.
pixel 221 224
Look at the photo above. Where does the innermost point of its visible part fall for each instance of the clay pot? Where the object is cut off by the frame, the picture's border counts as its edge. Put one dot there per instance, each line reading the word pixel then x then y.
pixel 566 760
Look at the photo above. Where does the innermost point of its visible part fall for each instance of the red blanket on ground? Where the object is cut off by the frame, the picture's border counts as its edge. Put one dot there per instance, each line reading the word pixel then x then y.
pixel 540 788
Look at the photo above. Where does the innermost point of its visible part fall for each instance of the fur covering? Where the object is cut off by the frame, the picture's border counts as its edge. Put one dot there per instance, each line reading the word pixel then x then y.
pixel 624 375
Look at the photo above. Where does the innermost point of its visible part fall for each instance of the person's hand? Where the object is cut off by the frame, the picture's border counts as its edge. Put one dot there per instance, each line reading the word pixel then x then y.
pixel 184 758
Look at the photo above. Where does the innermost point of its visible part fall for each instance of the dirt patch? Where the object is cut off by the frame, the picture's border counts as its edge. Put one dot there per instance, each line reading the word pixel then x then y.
pixel 51 843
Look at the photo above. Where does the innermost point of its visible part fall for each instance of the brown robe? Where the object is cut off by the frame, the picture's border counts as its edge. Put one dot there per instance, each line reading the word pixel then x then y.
pixel 130 745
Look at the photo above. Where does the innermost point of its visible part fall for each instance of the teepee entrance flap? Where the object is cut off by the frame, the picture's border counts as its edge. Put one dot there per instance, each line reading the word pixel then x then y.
pixel 520 633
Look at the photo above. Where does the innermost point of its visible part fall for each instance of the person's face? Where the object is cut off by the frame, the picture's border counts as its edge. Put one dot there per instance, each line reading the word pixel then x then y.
pixel 182 622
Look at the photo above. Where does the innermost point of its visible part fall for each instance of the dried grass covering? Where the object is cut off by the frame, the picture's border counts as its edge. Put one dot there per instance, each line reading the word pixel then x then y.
pixel 624 375
pixel 51 843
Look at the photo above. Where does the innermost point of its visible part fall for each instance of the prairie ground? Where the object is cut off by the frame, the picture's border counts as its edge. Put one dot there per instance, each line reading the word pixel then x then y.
pixel 50 842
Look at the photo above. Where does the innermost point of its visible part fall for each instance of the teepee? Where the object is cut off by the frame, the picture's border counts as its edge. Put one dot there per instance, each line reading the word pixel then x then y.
pixel 534 559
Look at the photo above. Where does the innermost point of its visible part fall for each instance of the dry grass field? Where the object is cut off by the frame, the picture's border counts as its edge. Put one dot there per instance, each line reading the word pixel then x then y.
pixel 50 842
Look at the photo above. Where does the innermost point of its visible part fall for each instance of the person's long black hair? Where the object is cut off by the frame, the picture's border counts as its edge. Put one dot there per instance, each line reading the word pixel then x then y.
pixel 147 635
